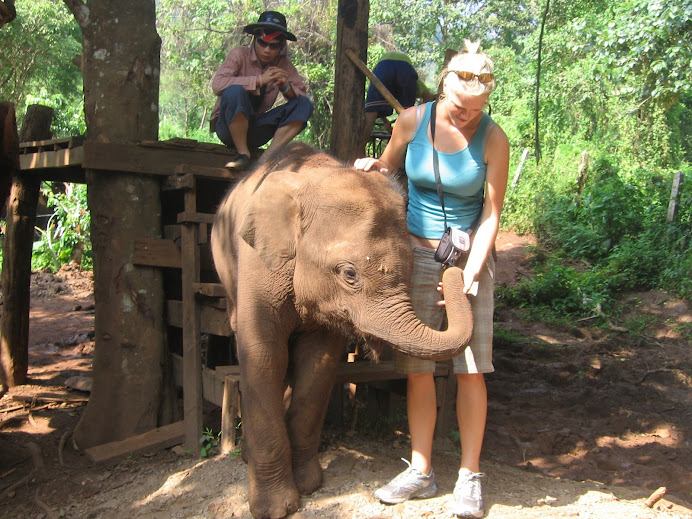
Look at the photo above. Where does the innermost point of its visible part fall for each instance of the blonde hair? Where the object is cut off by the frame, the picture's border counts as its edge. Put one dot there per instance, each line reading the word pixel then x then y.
pixel 470 59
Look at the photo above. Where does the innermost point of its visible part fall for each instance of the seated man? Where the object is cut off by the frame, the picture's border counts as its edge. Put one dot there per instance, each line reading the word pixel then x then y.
pixel 247 85
pixel 396 73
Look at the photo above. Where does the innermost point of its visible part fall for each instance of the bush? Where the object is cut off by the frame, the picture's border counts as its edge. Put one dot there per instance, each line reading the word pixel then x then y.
pixel 66 238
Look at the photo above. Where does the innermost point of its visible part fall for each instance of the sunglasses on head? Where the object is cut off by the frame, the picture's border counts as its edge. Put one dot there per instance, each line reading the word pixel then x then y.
pixel 272 46
pixel 483 77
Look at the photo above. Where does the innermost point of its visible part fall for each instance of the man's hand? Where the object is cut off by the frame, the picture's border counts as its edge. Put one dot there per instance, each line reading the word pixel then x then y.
pixel 275 75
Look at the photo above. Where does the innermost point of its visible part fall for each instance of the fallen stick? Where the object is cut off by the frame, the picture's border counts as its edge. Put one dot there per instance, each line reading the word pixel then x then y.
pixel 657 495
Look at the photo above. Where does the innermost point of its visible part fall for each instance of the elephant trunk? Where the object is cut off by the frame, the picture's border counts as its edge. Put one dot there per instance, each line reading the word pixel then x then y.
pixel 410 335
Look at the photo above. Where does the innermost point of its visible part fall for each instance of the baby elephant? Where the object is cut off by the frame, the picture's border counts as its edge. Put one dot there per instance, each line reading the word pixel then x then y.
pixel 312 252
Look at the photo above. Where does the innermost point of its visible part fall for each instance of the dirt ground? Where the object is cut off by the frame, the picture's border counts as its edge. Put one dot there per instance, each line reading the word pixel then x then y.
pixel 583 422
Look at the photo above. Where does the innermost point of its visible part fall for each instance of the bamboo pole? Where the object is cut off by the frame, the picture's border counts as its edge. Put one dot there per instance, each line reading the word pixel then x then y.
pixel 378 84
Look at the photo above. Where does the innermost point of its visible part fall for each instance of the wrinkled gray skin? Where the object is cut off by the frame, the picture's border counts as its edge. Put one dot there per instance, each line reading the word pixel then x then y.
pixel 311 252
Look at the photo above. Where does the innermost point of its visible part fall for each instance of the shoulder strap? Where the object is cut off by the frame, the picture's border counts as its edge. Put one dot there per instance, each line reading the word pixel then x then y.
pixel 436 165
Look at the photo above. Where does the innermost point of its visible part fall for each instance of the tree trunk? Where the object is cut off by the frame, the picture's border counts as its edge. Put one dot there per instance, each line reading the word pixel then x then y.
pixel 16 258
pixel 9 150
pixel 538 81
pixel 120 64
pixel 36 126
pixel 349 90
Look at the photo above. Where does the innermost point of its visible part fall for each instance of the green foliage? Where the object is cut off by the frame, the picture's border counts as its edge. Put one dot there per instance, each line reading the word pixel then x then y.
pixel 36 66
pixel 66 237
pixel 614 83
pixel 209 442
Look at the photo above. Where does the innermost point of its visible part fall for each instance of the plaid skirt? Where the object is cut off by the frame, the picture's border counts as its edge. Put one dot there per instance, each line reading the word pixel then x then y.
pixel 427 273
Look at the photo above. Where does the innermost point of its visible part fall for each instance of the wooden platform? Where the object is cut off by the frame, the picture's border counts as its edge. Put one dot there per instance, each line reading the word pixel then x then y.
pixel 221 387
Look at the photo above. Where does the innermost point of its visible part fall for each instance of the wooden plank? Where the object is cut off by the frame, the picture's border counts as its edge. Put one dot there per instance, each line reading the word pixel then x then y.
pixel 212 320
pixel 206 172
pixel 360 371
pixel 195 217
pixel 50 144
pixel 210 289
pixel 61 158
pixel 212 381
pixel 148 160
pixel 174 182
pixel 159 438
pixel 156 252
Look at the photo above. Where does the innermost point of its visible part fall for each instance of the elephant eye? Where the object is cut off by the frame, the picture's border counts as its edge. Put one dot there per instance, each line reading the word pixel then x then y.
pixel 349 274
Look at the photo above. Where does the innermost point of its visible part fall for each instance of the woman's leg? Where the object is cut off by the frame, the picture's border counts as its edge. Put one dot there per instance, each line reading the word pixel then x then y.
pixel 421 406
pixel 472 410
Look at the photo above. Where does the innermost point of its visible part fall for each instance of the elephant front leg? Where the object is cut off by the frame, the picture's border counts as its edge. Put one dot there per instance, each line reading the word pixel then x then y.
pixel 316 356
pixel 273 493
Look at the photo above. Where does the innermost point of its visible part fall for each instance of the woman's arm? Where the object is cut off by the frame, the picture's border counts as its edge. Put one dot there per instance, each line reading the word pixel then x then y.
pixel 393 156
pixel 497 159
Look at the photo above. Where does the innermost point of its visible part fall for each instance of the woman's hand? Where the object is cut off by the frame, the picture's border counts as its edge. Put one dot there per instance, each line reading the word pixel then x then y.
pixel 470 287
pixel 369 164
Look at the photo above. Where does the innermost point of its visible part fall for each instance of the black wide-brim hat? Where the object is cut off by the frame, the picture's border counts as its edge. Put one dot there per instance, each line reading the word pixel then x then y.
pixel 272 21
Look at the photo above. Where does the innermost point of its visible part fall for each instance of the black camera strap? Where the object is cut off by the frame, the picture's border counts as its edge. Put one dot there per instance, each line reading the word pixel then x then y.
pixel 436 165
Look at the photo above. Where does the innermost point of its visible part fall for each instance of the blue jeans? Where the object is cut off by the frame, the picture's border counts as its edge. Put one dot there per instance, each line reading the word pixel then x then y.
pixel 261 127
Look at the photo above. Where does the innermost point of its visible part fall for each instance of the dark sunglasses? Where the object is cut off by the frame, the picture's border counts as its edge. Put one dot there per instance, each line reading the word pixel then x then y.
pixel 272 46
pixel 484 77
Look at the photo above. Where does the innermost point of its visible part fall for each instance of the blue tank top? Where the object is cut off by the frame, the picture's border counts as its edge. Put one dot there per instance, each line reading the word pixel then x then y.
pixel 463 180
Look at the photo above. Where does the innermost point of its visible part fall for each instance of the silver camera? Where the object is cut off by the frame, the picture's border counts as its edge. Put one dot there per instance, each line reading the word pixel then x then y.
pixel 452 244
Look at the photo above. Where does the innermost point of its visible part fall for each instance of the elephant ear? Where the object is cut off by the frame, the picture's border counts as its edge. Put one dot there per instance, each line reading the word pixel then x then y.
pixel 271 223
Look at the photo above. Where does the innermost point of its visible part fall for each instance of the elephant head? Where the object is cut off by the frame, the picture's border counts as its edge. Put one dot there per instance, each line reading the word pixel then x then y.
pixel 341 235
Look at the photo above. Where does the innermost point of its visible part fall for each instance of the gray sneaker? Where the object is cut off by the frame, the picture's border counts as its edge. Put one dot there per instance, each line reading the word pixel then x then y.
pixel 410 484
pixel 468 498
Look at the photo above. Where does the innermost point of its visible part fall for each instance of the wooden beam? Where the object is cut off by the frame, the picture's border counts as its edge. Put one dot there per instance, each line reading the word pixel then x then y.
pixel 194 217
pixel 159 438
pixel 156 252
pixel 375 81
pixel 212 320
pixel 206 172
pixel 150 160
pixel 209 289
pixel 51 159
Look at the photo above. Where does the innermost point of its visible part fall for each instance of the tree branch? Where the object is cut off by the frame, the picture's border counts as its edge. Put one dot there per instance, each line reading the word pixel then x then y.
pixel 79 10
pixel 7 12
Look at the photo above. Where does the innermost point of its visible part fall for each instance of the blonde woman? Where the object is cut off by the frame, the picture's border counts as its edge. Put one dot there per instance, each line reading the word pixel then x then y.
pixel 473 159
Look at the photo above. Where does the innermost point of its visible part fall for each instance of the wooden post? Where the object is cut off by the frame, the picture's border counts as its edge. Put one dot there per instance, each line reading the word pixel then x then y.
pixel 16 260
pixel 349 90
pixel 517 173
pixel 675 197
pixel 192 355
